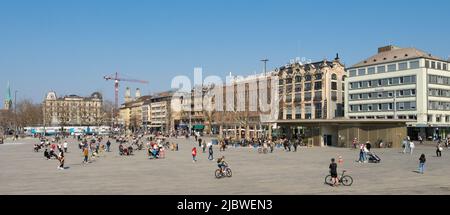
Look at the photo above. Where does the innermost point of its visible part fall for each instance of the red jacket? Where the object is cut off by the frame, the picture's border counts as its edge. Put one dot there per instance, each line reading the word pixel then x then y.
pixel 194 151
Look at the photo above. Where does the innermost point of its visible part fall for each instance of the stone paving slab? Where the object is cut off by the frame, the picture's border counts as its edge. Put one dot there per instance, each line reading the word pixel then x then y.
pixel 23 171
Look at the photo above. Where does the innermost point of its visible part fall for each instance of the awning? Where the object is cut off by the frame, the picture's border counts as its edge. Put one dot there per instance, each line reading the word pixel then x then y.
pixel 198 127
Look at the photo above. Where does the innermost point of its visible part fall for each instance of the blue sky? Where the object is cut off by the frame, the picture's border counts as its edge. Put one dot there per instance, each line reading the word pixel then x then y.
pixel 68 46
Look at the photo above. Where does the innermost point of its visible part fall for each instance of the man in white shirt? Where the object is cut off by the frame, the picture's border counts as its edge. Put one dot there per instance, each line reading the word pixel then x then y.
pixel 65 146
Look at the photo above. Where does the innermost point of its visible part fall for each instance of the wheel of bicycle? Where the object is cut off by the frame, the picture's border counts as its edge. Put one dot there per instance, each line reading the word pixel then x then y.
pixel 328 179
pixel 228 172
pixel 218 173
pixel 347 180
pixel 259 150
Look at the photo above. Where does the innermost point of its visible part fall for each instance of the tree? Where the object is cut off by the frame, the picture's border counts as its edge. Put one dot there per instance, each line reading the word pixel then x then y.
pixel 107 112
pixel 28 113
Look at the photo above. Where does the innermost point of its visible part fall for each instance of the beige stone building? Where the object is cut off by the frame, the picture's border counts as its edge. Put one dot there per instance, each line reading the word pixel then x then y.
pixel 312 91
pixel 73 110
pixel 131 113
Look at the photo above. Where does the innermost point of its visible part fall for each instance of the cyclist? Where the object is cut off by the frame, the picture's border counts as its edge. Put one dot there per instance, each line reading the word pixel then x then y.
pixel 333 172
pixel 221 163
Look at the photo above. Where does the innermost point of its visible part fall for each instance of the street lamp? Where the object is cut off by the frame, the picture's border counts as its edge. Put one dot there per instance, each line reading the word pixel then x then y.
pixel 265 65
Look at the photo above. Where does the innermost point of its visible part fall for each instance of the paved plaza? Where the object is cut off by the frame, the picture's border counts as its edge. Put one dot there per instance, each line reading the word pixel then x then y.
pixel 23 171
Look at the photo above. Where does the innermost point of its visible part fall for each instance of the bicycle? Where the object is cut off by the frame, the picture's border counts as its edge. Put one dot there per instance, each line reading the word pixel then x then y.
pixel 345 180
pixel 262 150
pixel 225 173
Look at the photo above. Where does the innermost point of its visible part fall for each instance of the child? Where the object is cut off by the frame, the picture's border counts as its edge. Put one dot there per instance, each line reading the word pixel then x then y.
pixel 333 172
pixel 422 161
pixel 194 154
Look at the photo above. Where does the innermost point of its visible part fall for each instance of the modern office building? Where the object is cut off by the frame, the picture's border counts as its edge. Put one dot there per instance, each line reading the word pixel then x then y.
pixel 405 84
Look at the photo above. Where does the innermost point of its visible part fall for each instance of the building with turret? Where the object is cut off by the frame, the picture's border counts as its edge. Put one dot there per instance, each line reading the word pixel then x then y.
pixel 7 103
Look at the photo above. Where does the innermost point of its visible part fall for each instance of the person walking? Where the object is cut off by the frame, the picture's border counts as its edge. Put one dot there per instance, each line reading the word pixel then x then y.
pixel 439 150
pixel 61 160
pixel 422 161
pixel 296 142
pixel 65 146
pixel 199 142
pixel 361 153
pixel 365 151
pixel 194 154
pixel 420 139
pixel 405 145
pixel 108 145
pixel 203 146
pixel 85 154
pixel 411 147
pixel 210 152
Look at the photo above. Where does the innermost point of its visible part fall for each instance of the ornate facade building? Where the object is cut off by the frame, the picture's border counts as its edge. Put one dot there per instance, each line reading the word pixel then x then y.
pixel 73 110
pixel 312 91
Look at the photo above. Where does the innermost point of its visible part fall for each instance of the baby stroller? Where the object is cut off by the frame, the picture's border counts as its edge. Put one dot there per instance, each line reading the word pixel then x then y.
pixel 373 158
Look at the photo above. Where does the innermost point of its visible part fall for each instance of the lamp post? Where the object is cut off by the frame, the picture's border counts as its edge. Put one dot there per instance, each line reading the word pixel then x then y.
pixel 265 65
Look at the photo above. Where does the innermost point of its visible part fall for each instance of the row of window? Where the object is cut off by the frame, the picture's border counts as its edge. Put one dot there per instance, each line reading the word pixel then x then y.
pixel 435 105
pixel 308 111
pixel 308 87
pixel 383 95
pixel 436 65
pixel 436 79
pixel 438 118
pixel 383 82
pixel 385 68
pixel 401 106
pixel 438 93
pixel 411 117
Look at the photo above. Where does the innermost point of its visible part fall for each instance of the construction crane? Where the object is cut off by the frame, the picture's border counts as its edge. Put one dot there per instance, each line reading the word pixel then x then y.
pixel 116 79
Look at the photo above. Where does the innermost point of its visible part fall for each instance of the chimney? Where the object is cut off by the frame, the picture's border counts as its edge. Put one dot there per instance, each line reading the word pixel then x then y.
pixel 127 94
pixel 138 93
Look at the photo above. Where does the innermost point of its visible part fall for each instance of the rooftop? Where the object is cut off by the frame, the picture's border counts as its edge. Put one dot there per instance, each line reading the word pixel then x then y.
pixel 391 53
